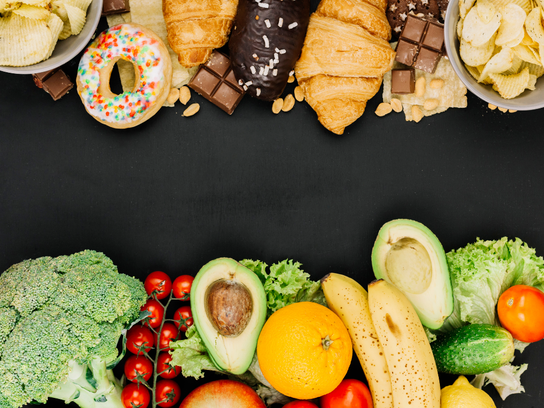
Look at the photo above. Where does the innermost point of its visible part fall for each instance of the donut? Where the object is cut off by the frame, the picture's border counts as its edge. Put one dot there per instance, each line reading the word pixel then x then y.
pixel 153 76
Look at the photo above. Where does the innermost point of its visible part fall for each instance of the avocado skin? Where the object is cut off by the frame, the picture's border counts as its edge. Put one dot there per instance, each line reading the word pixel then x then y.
pixel 473 349
pixel 232 354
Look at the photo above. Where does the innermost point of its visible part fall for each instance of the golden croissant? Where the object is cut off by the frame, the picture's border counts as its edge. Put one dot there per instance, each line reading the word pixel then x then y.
pixel 343 60
pixel 196 27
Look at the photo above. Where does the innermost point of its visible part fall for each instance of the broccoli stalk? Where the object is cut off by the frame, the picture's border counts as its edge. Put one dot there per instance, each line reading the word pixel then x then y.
pixel 60 322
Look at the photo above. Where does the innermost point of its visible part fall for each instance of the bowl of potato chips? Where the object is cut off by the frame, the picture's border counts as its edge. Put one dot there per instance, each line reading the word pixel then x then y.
pixel 495 48
pixel 40 35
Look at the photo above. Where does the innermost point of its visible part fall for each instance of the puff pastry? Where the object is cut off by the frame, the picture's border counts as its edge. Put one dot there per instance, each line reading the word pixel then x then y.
pixel 343 60
pixel 196 27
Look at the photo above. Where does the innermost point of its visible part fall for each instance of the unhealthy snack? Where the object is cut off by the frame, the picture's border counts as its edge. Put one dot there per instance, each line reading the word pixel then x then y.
pixel 342 64
pixel 55 82
pixel 115 7
pixel 420 44
pixel 151 61
pixel 403 81
pixel 215 81
pixel 399 10
pixel 265 44
pixel 501 44
pixel 196 27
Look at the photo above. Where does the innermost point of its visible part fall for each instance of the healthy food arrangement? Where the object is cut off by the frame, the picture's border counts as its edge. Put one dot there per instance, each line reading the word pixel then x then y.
pixel 276 335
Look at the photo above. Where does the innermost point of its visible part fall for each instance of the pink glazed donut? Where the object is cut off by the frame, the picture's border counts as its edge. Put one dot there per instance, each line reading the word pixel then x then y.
pixel 153 76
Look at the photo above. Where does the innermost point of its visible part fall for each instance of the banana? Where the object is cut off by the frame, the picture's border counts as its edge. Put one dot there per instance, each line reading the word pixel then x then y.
pixel 412 367
pixel 349 301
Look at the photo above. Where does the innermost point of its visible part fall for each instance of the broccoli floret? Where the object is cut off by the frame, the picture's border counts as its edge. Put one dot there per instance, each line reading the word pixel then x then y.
pixel 60 322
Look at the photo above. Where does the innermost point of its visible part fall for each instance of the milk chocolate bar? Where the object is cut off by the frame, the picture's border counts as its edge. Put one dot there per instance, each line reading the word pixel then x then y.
pixel 115 7
pixel 421 44
pixel 55 82
pixel 216 82
pixel 403 81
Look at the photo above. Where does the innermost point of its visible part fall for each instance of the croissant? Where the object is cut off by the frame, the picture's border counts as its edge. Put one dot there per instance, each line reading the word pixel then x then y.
pixel 343 60
pixel 196 27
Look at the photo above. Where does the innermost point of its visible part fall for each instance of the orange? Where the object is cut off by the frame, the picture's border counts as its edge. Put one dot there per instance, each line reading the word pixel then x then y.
pixel 304 350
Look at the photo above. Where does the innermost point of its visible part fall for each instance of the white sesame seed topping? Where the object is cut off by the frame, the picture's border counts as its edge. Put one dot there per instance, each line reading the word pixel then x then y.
pixel 263 5
pixel 276 59
pixel 253 70
pixel 277 49
pixel 271 63
pixel 280 22
pixel 267 23
pixel 261 71
pixel 292 25
pixel 266 43
pixel 275 72
pixel 245 87
pixel 249 83
pixel 282 51
pixel 258 91
pixel 266 68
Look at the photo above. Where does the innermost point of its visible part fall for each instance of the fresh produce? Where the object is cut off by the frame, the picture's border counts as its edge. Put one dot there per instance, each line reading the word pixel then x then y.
pixel 409 256
pixel 300 404
pixel 183 318
pixel 229 309
pixel 169 332
pixel 284 283
pixel 308 337
pixel 156 310
pixel 461 395
pixel 349 301
pixel 167 393
pixel 164 369
pixel 60 321
pixel 135 396
pixel 140 339
pixel 223 394
pixel 521 312
pixel 473 349
pixel 182 287
pixel 349 394
pixel 158 285
pixel 414 377
pixel 138 368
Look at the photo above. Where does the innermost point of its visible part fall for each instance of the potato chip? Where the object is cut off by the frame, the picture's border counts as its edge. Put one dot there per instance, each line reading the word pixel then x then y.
pixel 475 56
pixel 29 40
pixel 527 40
pixel 526 5
pixel 511 28
pixel 473 71
pixel 498 63
pixel 58 8
pixel 533 25
pixel 516 66
pixel 510 86
pixel 476 32
pixel 486 10
pixel 80 4
pixel 37 13
pixel 464 7
pixel 55 24
pixel 460 27
pixel 37 3
pixel 532 82
pixel 76 17
pixel 537 70
pixel 526 54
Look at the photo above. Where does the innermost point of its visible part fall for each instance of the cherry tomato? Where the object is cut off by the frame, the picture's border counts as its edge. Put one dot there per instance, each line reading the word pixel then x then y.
pixel 135 396
pixel 169 332
pixel 300 404
pixel 182 286
pixel 168 392
pixel 157 312
pixel 158 284
pixel 138 365
pixel 349 394
pixel 184 318
pixel 139 336
pixel 163 364
pixel 521 312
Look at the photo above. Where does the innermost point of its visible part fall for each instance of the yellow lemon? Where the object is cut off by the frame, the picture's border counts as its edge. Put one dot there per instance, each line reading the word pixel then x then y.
pixel 304 350
pixel 461 394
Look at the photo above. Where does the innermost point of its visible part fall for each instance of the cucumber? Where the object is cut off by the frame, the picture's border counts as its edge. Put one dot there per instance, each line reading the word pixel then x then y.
pixel 473 349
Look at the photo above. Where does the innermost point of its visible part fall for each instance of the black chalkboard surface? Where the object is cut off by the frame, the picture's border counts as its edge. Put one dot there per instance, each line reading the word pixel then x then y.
pixel 175 192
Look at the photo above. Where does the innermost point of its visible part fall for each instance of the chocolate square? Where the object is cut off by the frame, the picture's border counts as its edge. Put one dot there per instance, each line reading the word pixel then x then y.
pixel 227 96
pixel 218 63
pixel 40 77
pixel 205 82
pixel 414 29
pixel 115 7
pixel 403 81
pixel 406 52
pixel 57 85
pixel 427 60
pixel 434 37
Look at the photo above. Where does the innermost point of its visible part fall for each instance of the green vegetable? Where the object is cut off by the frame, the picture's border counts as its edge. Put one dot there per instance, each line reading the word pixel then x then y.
pixel 60 322
pixel 284 284
pixel 473 349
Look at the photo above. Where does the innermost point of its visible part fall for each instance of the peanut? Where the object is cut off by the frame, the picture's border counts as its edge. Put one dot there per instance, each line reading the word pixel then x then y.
pixel 173 95
pixel 503 110
pixel 383 109
pixel 417 113
pixel 277 105
pixel 288 103
pixel 420 86
pixel 512 111
pixel 436 83
pixel 396 104
pixel 299 93
pixel 184 95
pixel 492 107
pixel 191 110
pixel 430 104
pixel 291 79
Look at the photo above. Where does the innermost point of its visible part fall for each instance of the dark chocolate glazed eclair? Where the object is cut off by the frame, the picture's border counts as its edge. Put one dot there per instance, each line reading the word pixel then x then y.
pixel 266 42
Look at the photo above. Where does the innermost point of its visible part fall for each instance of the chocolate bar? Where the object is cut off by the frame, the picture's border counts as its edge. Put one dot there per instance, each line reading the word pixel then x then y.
pixel 421 44
pixel 55 82
pixel 403 81
pixel 115 7
pixel 216 82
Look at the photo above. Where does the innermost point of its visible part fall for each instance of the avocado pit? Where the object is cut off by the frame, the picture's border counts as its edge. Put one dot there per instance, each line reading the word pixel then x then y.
pixel 229 307
pixel 409 266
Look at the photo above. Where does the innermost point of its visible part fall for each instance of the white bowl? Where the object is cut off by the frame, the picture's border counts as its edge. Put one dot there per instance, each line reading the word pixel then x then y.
pixel 67 49
pixel 528 100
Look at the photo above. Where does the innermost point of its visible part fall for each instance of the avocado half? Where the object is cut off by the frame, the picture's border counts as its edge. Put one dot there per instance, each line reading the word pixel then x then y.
pixel 409 256
pixel 228 303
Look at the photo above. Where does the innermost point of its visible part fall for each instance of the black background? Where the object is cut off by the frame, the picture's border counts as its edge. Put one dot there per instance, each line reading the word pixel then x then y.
pixel 175 192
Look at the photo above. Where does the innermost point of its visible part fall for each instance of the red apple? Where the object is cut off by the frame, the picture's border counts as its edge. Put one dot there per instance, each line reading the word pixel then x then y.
pixel 223 394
